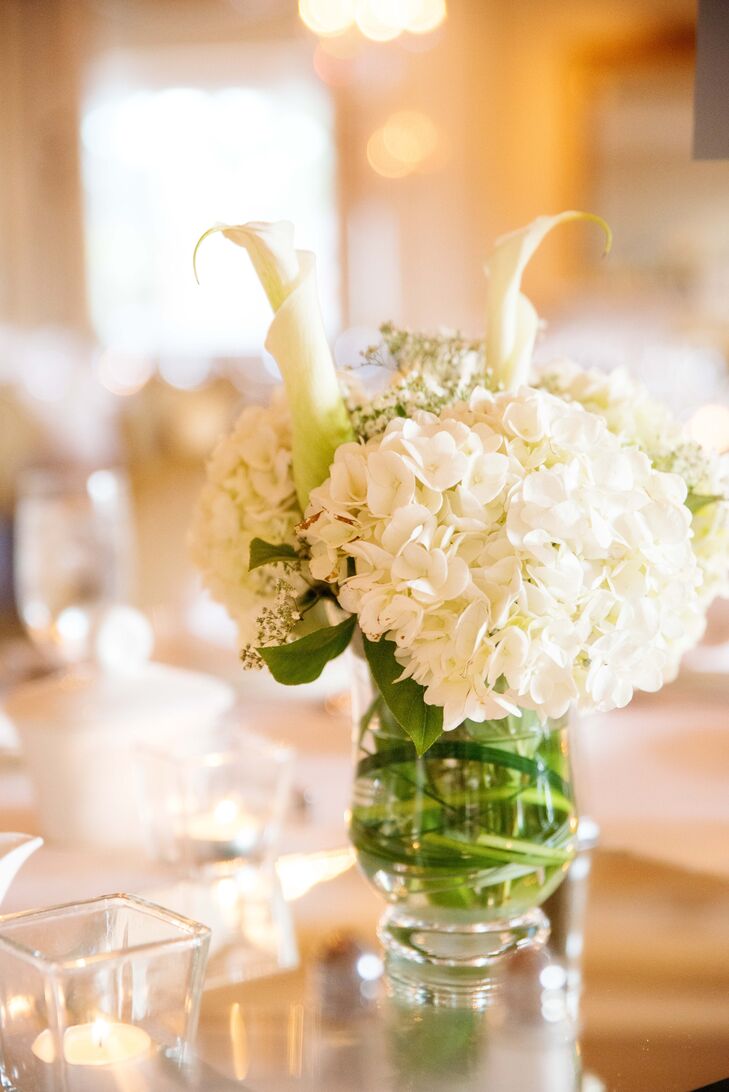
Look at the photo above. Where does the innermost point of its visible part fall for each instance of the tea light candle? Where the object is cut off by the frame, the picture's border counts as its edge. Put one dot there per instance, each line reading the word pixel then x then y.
pixel 226 831
pixel 96 1044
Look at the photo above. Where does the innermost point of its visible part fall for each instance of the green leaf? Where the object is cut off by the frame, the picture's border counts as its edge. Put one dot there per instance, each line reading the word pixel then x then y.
pixel 264 553
pixel 303 661
pixel 468 750
pixel 405 699
pixel 696 501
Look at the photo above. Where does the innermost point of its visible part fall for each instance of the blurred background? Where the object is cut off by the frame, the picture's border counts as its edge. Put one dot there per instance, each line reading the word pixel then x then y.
pixel 401 138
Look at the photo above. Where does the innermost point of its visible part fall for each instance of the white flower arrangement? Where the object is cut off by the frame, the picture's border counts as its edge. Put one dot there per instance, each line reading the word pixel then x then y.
pixel 510 539
pixel 249 493
pixel 638 419
pixel 501 547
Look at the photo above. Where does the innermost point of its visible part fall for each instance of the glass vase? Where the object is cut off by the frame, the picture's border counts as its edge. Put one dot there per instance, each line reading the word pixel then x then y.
pixel 465 842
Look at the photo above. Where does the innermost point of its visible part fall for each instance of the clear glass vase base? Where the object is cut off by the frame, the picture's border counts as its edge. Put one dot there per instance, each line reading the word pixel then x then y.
pixel 453 964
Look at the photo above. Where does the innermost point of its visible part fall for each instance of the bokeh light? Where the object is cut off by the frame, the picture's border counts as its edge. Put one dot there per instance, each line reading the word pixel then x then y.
pixel 124 639
pixel 103 486
pixel 72 626
pixel 709 426
pixel 327 17
pixel 410 137
pixel 378 20
pixel 407 142
pixel 124 373
pixel 426 16
pixel 381 159
pixel 186 373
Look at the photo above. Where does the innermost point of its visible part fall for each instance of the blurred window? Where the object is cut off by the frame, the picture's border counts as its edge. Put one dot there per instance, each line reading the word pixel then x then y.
pixel 166 155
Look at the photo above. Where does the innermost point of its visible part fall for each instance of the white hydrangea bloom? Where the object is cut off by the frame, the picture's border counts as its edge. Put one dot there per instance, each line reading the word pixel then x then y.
pixel 631 412
pixel 625 404
pixel 516 553
pixel 249 493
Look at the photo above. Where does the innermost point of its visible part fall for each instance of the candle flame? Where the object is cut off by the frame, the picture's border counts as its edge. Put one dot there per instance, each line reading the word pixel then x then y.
pixel 226 811
pixel 100 1031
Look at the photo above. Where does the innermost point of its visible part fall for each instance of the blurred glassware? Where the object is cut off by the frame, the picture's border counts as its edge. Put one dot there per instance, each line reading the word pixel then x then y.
pixel 252 929
pixel 79 730
pixel 566 909
pixel 217 803
pixel 72 556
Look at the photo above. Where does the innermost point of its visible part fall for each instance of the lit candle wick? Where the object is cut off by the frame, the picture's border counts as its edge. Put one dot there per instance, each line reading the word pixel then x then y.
pixel 100 1043
pixel 228 829
pixel 100 1031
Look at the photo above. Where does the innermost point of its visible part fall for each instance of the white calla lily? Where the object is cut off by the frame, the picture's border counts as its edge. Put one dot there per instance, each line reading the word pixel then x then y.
pixel 511 320
pixel 296 339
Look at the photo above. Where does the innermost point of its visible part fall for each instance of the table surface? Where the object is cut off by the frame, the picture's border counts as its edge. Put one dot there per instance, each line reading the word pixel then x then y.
pixel 654 992
pixel 653 1006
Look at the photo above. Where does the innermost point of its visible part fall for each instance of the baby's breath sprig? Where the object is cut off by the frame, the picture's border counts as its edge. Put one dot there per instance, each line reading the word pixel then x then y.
pixel 428 372
pixel 276 623
pixel 446 358
pixel 702 474
pixel 273 624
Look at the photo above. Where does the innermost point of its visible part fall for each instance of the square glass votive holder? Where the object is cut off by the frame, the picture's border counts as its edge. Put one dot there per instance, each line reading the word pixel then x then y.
pixel 218 804
pixel 98 995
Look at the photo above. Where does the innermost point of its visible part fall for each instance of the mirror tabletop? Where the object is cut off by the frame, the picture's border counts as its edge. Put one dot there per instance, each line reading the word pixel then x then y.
pixel 630 995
